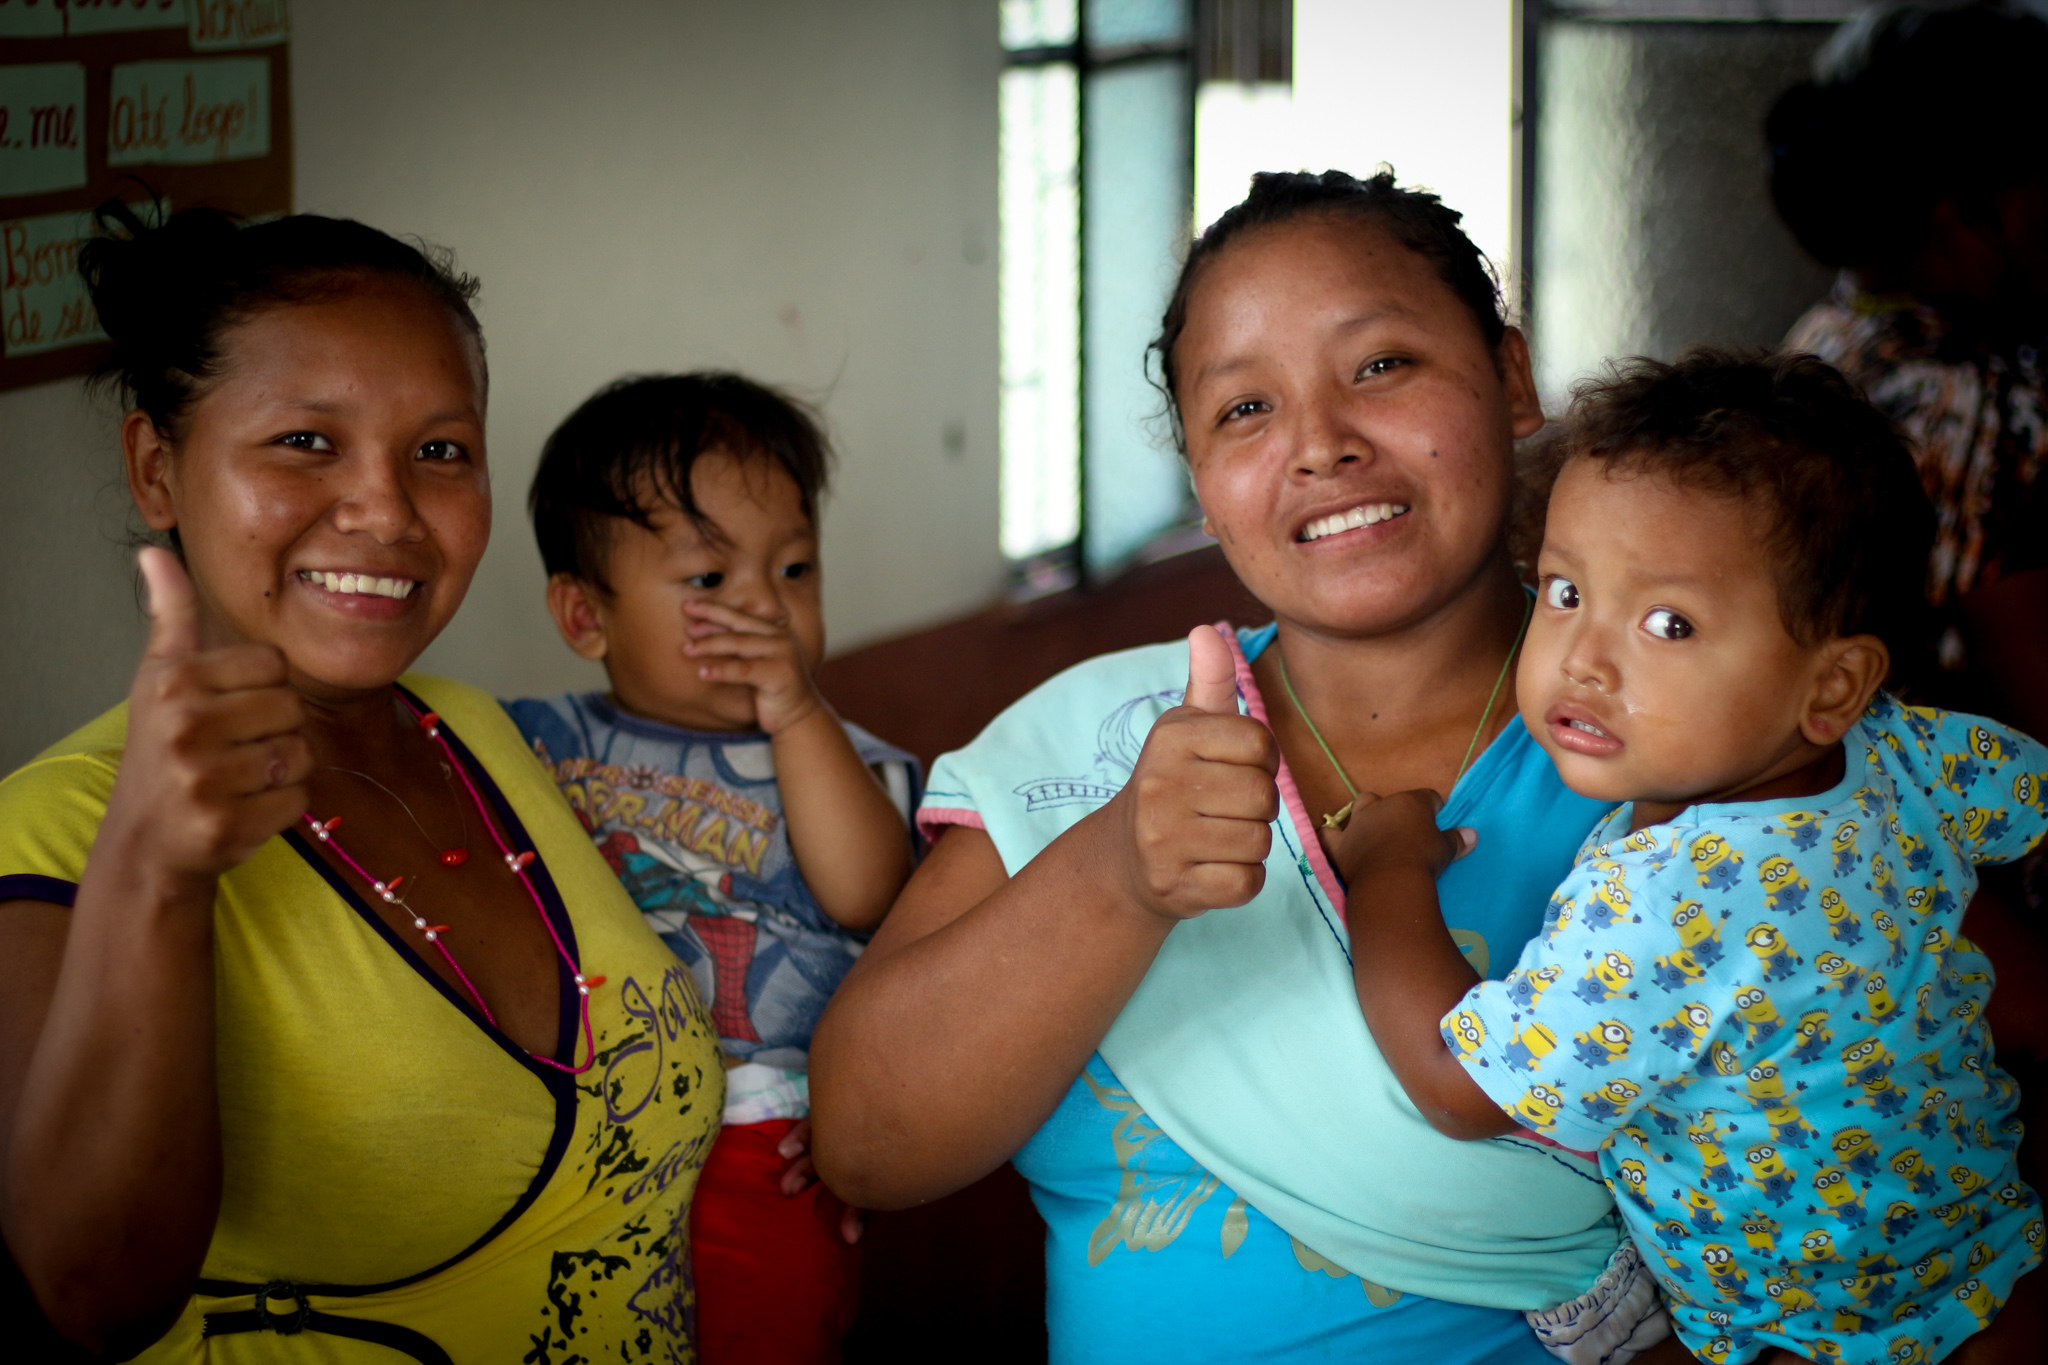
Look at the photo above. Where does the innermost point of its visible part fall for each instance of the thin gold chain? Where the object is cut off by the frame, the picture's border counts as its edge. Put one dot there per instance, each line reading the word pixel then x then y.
pixel 1336 818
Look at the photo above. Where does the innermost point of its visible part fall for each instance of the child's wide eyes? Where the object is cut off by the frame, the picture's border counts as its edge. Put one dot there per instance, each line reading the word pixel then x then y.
pixel 1666 624
pixel 1561 593
pixel 705 581
pixel 795 571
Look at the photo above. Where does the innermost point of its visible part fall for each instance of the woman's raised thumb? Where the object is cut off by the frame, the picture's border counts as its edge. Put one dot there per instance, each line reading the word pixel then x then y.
pixel 1212 674
pixel 173 606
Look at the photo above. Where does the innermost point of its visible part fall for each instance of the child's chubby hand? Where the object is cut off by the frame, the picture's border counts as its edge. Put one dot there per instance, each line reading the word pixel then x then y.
pixel 1386 832
pixel 731 646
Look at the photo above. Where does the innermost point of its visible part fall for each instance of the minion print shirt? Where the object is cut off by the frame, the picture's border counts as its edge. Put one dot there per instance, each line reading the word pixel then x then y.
pixel 1764 1019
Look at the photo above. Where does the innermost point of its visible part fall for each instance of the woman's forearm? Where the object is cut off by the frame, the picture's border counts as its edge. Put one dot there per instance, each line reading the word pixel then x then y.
pixel 112 1164
pixel 957 1034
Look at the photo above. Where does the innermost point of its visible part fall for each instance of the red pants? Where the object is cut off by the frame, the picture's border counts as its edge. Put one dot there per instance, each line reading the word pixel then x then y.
pixel 776 1284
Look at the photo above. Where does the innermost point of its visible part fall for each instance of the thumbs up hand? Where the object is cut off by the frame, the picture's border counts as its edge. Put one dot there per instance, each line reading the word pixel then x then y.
pixel 216 760
pixel 1197 813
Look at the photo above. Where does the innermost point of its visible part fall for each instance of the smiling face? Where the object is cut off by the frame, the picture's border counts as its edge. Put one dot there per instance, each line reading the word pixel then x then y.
pixel 329 488
pixel 1348 428
pixel 1658 667
pixel 759 555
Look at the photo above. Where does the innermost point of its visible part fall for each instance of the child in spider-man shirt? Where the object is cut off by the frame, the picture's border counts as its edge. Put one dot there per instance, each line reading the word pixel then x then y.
pixel 1752 994
pixel 761 836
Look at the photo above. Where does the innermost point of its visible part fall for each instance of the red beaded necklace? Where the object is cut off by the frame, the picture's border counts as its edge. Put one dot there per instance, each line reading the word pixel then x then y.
pixel 392 894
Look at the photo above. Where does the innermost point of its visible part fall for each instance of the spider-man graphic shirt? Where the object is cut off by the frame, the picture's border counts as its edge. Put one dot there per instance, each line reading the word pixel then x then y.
pixel 691 821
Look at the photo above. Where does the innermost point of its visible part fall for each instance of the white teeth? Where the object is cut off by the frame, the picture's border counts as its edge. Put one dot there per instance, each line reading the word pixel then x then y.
pixel 360 584
pixel 1365 514
pixel 1589 728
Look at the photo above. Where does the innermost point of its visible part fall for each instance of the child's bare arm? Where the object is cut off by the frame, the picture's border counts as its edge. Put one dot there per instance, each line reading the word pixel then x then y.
pixel 848 838
pixel 1408 971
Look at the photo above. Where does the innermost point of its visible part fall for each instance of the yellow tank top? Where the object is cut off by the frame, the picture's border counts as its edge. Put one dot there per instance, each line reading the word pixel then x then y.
pixel 401 1180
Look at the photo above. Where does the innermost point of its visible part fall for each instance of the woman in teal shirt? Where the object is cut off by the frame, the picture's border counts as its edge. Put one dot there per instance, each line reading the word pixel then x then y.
pixel 1125 966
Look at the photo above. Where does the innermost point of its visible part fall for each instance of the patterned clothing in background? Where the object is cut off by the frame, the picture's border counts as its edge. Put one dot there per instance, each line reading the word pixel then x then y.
pixel 1978 419
pixel 1765 1018
pixel 691 821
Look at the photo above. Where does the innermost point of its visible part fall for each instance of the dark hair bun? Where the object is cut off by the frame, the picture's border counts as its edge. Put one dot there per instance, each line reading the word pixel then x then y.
pixel 167 291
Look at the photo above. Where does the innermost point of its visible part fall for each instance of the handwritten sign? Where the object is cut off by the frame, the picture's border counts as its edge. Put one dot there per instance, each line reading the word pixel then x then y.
pixel 122 16
pixel 31 19
pixel 43 303
pixel 42 127
pixel 189 113
pixel 218 24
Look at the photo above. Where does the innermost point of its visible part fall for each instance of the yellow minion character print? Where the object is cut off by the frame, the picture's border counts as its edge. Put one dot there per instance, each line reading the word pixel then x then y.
pixel 1838 971
pixel 1906 1351
pixel 1976 1296
pixel 2028 788
pixel 1818 1248
pixel 1958 771
pixel 1759 1017
pixel 2011 1195
pixel 1813 1034
pixel 1899 1217
pixel 1766 1088
pixel 1925 1025
pixel 1634 1180
pixel 1779 961
pixel 1608 905
pixel 1701 1210
pixel 1927 1118
pixel 1788 1129
pixel 1705 1135
pixel 1715 862
pixel 1854 1149
pixel 1785 891
pixel 1677 970
pixel 1843 926
pixel 1981 826
pixel 1932 1270
pixel 1839 1196
pixel 1936 942
pixel 1538 1107
pixel 1529 1047
pixel 1465 1034
pixel 1768 1172
pixel 2035 1235
pixel 1729 1278
pixel 1760 1232
pixel 1911 1167
pixel 1986 747
pixel 1803 826
pixel 1843 848
pixel 1913 851
pixel 1721 1059
pixel 1789 1295
pixel 1699 933
pixel 1611 1100
pixel 1882 881
pixel 1883 922
pixel 1608 978
pixel 1966 1180
pixel 1605 1044
pixel 1718 1350
pixel 1878 1004
pixel 1687 1029
pixel 1866 1060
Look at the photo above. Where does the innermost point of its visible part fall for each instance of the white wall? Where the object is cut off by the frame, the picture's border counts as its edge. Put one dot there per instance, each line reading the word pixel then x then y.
pixel 804 190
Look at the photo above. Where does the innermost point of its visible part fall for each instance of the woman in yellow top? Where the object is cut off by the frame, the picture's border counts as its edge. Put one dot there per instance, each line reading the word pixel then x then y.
pixel 325 1032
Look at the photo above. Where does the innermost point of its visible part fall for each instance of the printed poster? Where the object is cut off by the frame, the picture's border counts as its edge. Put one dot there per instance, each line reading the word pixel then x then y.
pixel 42 127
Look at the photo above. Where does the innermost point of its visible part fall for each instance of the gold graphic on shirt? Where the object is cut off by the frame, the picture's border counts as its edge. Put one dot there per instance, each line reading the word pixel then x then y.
pixel 1311 1260
pixel 1235 1226
pixel 1473 946
pixel 1152 1207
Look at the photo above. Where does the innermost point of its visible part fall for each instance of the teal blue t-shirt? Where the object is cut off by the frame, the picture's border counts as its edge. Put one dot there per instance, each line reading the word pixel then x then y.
pixel 1238 1175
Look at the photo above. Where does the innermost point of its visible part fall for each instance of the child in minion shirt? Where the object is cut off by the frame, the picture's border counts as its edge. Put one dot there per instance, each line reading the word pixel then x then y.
pixel 1751 995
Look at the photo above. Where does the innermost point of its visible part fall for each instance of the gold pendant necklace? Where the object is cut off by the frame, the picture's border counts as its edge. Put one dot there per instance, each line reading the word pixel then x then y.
pixel 1337 818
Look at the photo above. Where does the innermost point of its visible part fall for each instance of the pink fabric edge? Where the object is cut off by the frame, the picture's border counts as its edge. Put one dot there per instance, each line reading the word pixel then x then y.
pixel 932 819
pixel 1290 795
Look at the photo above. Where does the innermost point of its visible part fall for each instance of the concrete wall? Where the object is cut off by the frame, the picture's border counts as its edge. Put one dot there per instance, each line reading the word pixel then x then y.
pixel 800 189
